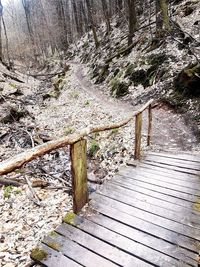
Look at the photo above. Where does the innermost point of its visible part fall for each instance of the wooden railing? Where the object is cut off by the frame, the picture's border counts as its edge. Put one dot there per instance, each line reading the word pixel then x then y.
pixel 78 151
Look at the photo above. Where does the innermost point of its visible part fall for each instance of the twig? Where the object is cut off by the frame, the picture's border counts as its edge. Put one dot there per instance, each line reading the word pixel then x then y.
pixel 11 98
pixel 37 202
pixel 32 141
pixel 6 182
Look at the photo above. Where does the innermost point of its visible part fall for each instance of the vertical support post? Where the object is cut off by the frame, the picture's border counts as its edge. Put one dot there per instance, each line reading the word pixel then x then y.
pixel 79 174
pixel 138 135
pixel 149 125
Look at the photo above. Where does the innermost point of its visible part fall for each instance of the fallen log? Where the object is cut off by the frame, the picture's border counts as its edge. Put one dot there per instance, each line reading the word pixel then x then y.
pixel 7 182
pixel 47 74
pixel 6 75
pixel 18 161
pixel 122 51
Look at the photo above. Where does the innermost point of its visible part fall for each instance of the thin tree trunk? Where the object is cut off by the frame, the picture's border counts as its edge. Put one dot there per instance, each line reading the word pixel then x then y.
pixel 90 15
pixel 106 15
pixel 132 17
pixel 162 17
pixel 1 16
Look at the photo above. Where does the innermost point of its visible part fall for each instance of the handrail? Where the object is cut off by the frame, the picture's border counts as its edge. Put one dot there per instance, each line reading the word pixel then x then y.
pixel 74 140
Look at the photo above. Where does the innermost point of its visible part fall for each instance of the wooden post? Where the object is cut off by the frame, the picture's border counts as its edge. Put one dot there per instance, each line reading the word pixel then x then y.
pixel 79 174
pixel 149 125
pixel 138 135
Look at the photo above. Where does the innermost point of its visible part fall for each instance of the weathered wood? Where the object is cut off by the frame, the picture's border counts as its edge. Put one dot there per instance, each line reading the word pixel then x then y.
pixel 76 252
pixel 163 196
pixel 156 176
pixel 145 226
pixel 182 211
pixel 141 217
pixel 150 117
pixel 27 156
pixel 156 188
pixel 55 259
pixel 169 174
pixel 129 246
pixel 79 174
pixel 138 135
pixel 151 241
pixel 184 156
pixel 100 247
pixel 164 184
pixel 174 162
pixel 172 167
pixel 178 228
pixel 182 218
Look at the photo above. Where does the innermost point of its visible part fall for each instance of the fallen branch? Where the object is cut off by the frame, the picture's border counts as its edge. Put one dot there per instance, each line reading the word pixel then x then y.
pixel 34 195
pixel 47 74
pixel 123 51
pixel 12 77
pixel 7 182
pixel 18 161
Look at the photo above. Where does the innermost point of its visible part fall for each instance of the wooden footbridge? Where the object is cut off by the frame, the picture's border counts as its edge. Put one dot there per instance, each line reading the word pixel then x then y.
pixel 147 215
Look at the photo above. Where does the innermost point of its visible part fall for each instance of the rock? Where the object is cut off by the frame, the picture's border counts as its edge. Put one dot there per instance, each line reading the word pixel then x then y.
pixel 188 81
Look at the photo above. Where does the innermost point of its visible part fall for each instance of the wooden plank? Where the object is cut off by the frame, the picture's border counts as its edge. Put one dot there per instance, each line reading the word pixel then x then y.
pixel 147 227
pixel 171 174
pixel 170 167
pixel 164 184
pixel 129 246
pixel 181 218
pixel 168 210
pixel 131 183
pixel 149 125
pixel 146 239
pixel 99 246
pixel 138 135
pixel 157 195
pixel 159 177
pixel 150 217
pixel 55 259
pixel 152 209
pixel 79 174
pixel 76 252
pixel 183 156
pixel 175 162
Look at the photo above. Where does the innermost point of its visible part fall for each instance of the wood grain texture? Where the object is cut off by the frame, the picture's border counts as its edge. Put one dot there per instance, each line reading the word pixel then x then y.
pixel 79 174
pixel 138 135
pixel 150 119
pixel 147 215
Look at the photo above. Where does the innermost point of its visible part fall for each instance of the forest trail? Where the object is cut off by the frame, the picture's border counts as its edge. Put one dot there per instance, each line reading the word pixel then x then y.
pixel 170 131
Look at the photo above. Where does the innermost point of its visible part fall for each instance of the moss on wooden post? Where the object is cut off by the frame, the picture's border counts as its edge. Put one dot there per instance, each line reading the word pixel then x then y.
pixel 149 125
pixel 138 135
pixel 79 174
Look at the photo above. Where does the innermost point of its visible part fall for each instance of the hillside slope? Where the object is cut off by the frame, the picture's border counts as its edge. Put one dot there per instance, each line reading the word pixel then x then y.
pixel 152 67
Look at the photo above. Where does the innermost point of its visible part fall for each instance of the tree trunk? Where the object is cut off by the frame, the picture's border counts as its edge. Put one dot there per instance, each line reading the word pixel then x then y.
pixel 132 18
pixel 106 15
pixel 91 20
pixel 162 17
pixel 1 16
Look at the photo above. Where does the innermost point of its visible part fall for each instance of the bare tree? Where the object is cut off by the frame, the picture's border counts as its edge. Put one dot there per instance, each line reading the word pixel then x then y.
pixel 162 17
pixel 92 24
pixel 132 18
pixel 1 16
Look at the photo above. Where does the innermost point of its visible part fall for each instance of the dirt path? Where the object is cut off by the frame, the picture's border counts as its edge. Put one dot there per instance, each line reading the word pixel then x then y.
pixel 169 129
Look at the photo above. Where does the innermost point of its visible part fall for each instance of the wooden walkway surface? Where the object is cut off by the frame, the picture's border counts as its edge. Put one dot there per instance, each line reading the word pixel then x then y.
pixel 147 215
